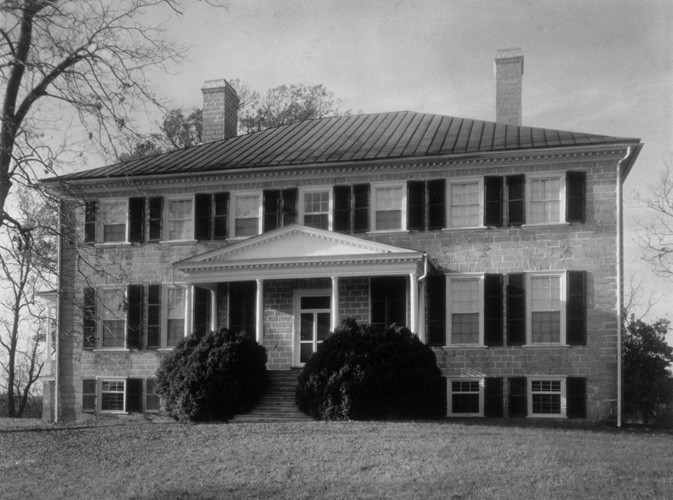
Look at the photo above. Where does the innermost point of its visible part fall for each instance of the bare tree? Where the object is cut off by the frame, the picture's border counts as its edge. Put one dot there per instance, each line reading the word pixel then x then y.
pixel 27 265
pixel 92 56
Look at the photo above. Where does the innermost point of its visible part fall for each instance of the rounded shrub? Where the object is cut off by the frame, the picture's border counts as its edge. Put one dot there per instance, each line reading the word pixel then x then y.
pixel 212 376
pixel 360 374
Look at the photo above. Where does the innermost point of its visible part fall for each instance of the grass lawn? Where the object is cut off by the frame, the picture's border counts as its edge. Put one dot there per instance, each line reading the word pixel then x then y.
pixel 333 460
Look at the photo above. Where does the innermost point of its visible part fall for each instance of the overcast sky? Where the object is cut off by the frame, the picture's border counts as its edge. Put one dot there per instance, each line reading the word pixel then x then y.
pixel 598 66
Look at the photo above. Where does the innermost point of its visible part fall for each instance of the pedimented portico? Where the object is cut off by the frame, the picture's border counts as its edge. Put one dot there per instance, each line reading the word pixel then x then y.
pixel 286 285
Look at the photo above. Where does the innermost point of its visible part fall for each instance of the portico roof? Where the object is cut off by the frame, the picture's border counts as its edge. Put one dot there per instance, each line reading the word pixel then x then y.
pixel 300 252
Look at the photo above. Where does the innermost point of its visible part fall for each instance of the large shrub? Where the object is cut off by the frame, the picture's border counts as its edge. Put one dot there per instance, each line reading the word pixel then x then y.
pixel 212 376
pixel 358 373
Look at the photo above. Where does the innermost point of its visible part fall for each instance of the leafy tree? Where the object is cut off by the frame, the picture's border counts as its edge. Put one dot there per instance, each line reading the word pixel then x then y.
pixel 648 383
pixel 27 266
pixel 92 56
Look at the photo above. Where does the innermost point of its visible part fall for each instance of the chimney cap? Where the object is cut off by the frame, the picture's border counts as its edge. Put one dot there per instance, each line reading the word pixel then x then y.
pixel 218 83
pixel 509 55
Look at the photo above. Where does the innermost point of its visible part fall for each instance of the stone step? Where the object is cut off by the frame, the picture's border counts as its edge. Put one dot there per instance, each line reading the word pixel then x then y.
pixel 278 402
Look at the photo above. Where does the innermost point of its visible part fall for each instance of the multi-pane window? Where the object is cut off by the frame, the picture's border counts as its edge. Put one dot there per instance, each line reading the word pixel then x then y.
pixel 465 307
pixel 545 200
pixel 465 201
pixel 465 397
pixel 389 202
pixel 546 397
pixel 175 315
pixel 152 401
pixel 112 395
pixel 113 214
pixel 246 215
pixel 545 309
pixel 316 209
pixel 113 318
pixel 180 219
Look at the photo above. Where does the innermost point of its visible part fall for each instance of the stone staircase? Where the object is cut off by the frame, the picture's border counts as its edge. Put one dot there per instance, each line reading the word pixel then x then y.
pixel 278 403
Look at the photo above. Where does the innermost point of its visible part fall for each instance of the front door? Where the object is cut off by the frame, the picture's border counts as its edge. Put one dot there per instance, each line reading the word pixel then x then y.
pixel 312 322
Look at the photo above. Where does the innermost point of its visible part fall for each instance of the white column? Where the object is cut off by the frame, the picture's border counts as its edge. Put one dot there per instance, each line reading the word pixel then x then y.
pixel 421 311
pixel 189 319
pixel 334 322
pixel 259 311
pixel 413 303
pixel 213 309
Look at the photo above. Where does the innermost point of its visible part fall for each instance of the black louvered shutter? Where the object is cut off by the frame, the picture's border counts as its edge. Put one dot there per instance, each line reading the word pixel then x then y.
pixel 576 187
pixel 516 203
pixel 134 395
pixel 493 397
pixel 493 309
pixel 154 316
pixel 416 205
pixel 576 308
pixel 156 206
pixel 136 220
pixel 221 213
pixel 516 309
pixel 436 300
pixel 89 395
pixel 518 400
pixel 289 206
pixel 90 211
pixel 436 204
pixel 272 209
pixel 576 393
pixel 360 208
pixel 152 401
pixel 203 216
pixel 493 201
pixel 134 318
pixel 89 318
pixel 341 220
pixel 201 310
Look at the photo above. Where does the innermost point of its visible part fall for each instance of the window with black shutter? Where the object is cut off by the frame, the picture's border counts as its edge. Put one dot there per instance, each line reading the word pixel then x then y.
pixel 90 211
pixel 156 205
pixel 426 205
pixel 388 301
pixel 436 300
pixel 220 215
pixel 351 209
pixel 280 208
pixel 416 205
pixel 201 310
pixel 516 200
pixel 89 318
pixel 576 196
pixel 360 208
pixel 242 300
pixel 134 318
pixel 516 309
pixel 289 206
pixel 89 395
pixel 134 395
pixel 154 316
pixel 341 219
pixel 137 220
pixel 203 206
pixel 493 309
pixel 518 399
pixel 493 402
pixel 576 393
pixel 576 308
pixel 152 401
pixel 436 204
pixel 493 201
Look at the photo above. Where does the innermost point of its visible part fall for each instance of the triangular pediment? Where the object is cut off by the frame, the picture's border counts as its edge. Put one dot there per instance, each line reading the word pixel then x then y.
pixel 292 242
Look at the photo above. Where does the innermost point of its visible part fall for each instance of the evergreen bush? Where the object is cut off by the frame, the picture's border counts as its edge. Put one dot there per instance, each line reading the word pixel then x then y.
pixel 359 373
pixel 212 376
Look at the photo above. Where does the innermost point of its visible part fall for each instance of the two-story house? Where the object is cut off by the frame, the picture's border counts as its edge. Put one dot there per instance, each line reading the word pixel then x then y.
pixel 498 244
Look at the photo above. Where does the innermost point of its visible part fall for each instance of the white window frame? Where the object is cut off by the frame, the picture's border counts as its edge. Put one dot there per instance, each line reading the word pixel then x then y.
pixel 449 394
pixel 166 214
pixel 563 283
pixel 233 196
pixel 100 307
pixel 480 190
pixel 374 187
pixel 316 189
pixel 561 176
pixel 449 309
pixel 100 221
pixel 164 314
pixel 99 394
pixel 563 395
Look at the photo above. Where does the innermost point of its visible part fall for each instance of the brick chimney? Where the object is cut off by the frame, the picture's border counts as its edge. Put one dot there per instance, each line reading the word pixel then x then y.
pixel 220 110
pixel 508 85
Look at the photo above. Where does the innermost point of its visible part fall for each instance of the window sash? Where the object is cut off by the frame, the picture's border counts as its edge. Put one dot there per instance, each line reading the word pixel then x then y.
pixel 246 214
pixel 113 217
pixel 466 397
pixel 545 199
pixel 546 397
pixel 546 314
pixel 465 202
pixel 389 207
pixel 175 315
pixel 316 209
pixel 112 395
pixel 465 311
pixel 180 219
